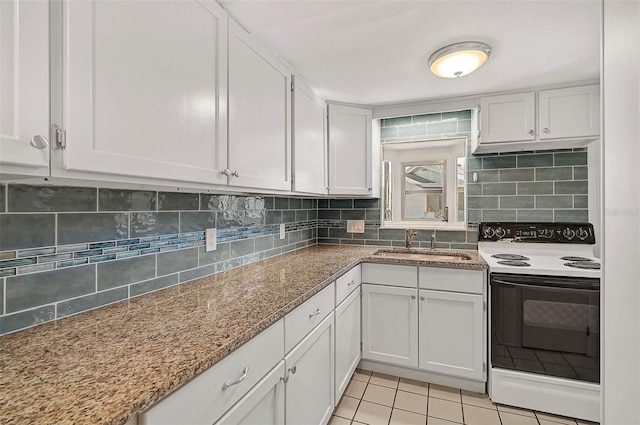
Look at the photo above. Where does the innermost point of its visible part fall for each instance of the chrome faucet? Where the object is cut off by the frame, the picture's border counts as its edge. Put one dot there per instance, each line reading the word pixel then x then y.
pixel 408 237
pixel 433 241
pixel 443 215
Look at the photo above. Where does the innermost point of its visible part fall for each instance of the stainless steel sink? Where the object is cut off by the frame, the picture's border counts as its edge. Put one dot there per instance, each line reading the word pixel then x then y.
pixel 421 254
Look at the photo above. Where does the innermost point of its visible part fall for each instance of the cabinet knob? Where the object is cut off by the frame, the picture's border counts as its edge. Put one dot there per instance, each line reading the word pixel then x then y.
pixel 315 313
pixel 293 369
pixel 413 297
pixel 546 130
pixel 235 174
pixel 531 132
pixel 226 172
pixel 422 298
pixel 369 189
pixel 39 142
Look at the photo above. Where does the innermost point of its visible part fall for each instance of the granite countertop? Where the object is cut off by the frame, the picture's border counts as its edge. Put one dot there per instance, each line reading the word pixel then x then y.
pixel 107 365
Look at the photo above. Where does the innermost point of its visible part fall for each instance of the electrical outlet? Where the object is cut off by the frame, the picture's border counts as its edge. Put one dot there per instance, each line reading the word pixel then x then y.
pixel 210 243
pixel 282 231
pixel 355 226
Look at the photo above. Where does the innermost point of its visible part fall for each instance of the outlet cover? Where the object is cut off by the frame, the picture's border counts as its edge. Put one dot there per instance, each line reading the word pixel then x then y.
pixel 210 243
pixel 355 226
pixel 282 231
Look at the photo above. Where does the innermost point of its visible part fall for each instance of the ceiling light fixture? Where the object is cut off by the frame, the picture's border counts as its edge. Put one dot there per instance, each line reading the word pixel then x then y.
pixel 459 59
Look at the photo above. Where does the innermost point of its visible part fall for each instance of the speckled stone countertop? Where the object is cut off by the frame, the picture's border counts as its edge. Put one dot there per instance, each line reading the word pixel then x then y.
pixel 107 365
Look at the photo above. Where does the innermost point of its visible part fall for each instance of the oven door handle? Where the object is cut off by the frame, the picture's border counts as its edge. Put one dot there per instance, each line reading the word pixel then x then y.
pixel 563 287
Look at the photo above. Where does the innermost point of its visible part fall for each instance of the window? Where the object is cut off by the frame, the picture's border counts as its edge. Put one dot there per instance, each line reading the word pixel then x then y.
pixel 424 183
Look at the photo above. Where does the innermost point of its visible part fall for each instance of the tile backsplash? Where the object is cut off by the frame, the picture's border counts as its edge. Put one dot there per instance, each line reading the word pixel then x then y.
pixel 64 250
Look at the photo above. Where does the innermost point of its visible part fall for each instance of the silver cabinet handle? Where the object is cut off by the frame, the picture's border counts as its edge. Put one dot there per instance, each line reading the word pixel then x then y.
pixel 285 378
pixel 315 313
pixel 235 174
pixel 413 297
pixel 351 283
pixel 226 172
pixel 39 142
pixel 293 370
pixel 546 130
pixel 422 298
pixel 531 132
pixel 244 375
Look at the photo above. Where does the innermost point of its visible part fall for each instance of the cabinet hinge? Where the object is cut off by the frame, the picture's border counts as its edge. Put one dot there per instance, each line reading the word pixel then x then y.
pixel 484 306
pixel 60 137
pixel 484 367
pixel 478 108
pixel 479 134
pixel 293 85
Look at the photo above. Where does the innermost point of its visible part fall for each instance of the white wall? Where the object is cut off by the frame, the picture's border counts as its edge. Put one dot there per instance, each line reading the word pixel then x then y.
pixel 621 215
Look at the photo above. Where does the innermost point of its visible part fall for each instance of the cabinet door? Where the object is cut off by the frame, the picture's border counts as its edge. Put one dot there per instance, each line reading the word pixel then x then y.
pixel 347 341
pixel 350 150
pixel 309 141
pixel 259 110
pixel 24 87
pixel 507 118
pixel 144 90
pixel 390 324
pixel 310 378
pixel 263 405
pixel 572 112
pixel 451 334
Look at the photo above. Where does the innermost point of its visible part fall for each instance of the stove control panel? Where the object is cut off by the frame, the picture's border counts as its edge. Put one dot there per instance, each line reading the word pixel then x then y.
pixel 575 233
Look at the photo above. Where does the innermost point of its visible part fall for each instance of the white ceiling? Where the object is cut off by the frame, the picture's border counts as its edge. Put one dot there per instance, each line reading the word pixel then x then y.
pixel 376 52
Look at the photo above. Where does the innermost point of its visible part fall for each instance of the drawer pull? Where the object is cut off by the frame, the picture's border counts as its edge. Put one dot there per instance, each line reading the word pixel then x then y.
pixel 351 283
pixel 244 375
pixel 293 369
pixel 315 314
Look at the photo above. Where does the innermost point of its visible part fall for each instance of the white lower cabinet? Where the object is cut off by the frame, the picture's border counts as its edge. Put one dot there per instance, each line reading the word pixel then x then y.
pixel 437 325
pixel 451 333
pixel 263 405
pixel 390 324
pixel 209 395
pixel 347 324
pixel 309 389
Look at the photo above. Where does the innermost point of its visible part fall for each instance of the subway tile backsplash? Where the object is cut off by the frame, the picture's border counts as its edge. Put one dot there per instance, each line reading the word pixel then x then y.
pixel 64 250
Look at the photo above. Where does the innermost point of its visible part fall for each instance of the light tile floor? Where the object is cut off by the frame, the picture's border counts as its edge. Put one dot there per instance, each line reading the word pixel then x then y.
pixel 378 399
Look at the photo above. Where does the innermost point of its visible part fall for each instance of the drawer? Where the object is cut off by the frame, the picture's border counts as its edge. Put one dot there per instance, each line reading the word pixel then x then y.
pixel 390 274
pixel 453 280
pixel 202 400
pixel 347 283
pixel 303 319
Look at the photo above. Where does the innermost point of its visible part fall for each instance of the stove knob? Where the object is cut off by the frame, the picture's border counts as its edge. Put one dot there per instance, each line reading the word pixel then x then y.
pixel 568 233
pixel 500 232
pixel 547 233
pixel 582 233
pixel 488 233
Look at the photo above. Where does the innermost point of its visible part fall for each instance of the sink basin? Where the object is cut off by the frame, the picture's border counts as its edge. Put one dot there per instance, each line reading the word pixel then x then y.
pixel 421 254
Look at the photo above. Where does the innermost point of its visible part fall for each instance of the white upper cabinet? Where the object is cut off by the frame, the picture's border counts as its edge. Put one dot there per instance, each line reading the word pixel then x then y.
pixel 547 119
pixel 309 141
pixel 572 112
pixel 508 118
pixel 143 90
pixel 259 111
pixel 24 88
pixel 350 151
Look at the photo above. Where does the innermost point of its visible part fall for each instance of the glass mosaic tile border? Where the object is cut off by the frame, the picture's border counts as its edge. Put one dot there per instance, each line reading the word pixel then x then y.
pixel 26 261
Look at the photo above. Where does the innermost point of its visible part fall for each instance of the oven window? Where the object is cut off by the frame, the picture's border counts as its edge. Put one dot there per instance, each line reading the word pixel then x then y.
pixel 551 331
